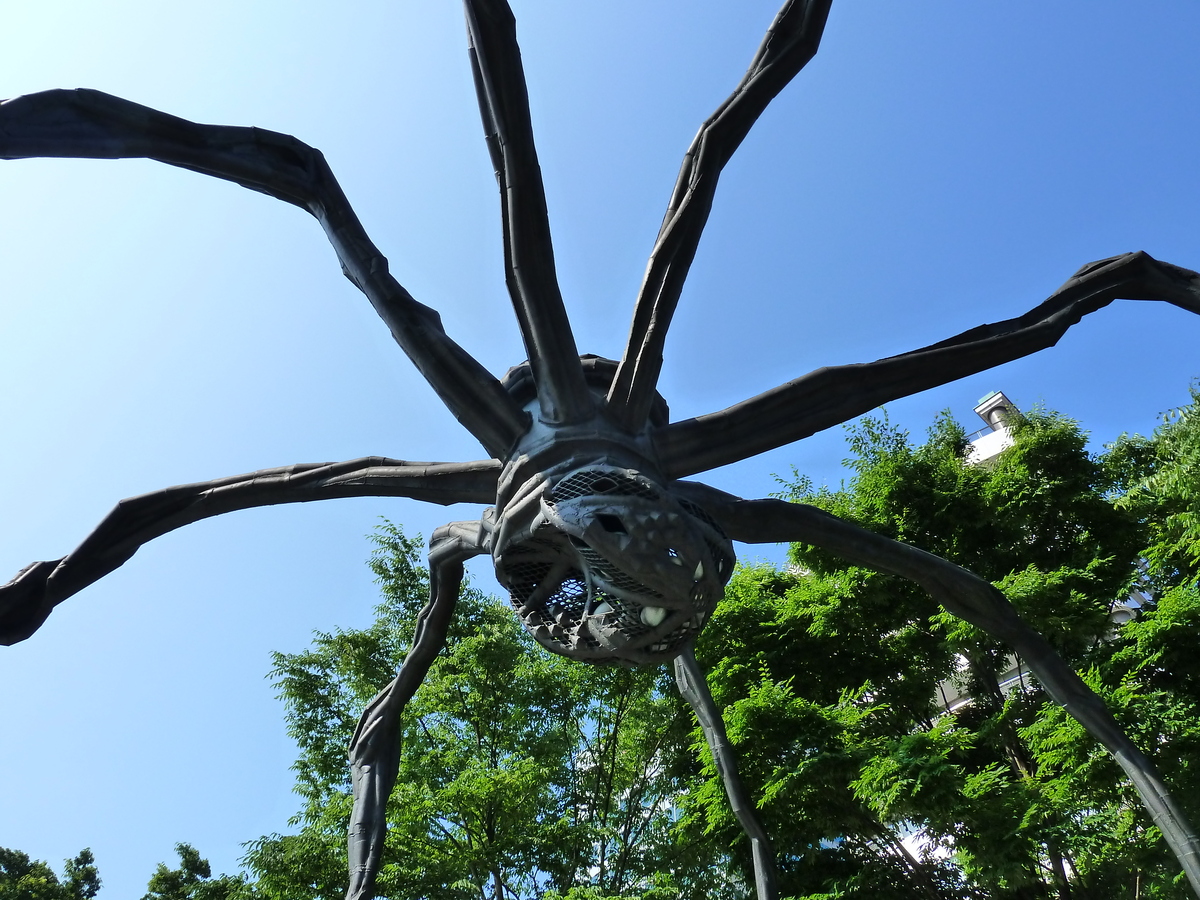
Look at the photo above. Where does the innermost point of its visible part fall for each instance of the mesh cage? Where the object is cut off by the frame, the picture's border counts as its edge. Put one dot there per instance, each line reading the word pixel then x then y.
pixel 594 482
pixel 722 557
pixel 565 617
pixel 557 620
pixel 698 513
pixel 582 599
pixel 607 571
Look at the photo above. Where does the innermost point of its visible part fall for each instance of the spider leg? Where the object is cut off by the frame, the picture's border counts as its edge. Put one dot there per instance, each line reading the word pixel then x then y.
pixel 91 124
pixel 970 598
pixel 829 396
pixel 528 250
pixel 375 747
pixel 28 599
pixel 694 688
pixel 790 42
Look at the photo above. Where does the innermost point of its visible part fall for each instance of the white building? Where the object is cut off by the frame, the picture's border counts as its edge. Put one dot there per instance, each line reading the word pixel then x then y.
pixel 986 444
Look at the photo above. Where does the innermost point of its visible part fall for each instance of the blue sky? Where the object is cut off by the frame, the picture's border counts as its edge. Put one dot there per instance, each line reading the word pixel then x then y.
pixel 937 166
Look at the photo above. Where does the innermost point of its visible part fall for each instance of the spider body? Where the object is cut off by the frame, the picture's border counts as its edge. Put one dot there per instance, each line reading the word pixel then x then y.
pixel 602 560
pixel 608 555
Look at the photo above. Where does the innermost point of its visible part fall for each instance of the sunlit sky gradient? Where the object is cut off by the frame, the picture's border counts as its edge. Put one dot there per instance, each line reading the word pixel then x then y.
pixel 939 165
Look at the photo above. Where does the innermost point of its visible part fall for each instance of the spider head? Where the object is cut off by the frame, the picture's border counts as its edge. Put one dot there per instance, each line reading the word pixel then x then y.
pixel 605 564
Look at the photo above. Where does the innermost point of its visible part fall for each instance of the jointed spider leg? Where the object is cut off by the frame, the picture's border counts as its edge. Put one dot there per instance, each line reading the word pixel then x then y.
pixel 28 599
pixel 375 747
pixel 694 688
pixel 91 124
pixel 829 396
pixel 970 598
pixel 790 42
pixel 528 250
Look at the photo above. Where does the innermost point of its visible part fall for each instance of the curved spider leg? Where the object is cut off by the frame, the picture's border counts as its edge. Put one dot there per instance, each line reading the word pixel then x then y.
pixel 528 250
pixel 375 747
pixel 969 597
pixel 91 124
pixel 27 600
pixel 694 688
pixel 832 395
pixel 790 42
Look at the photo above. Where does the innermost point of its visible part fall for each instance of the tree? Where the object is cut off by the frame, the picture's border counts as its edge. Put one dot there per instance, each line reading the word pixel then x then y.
pixel 524 774
pixel 193 880
pixel 830 677
pixel 1164 491
pixel 22 878
pixel 1150 670
pixel 521 772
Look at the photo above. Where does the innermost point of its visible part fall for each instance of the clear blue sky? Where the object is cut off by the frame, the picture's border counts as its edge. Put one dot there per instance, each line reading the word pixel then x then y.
pixel 939 165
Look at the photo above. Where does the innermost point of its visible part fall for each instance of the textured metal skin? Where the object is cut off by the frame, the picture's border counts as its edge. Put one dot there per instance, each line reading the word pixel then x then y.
pixel 604 564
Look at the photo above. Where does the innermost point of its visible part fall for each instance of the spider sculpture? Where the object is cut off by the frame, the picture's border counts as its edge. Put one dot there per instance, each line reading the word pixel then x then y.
pixel 609 556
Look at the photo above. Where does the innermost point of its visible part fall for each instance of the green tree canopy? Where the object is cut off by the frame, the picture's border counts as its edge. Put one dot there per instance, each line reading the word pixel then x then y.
pixel 834 679
pixel 193 880
pixel 1163 481
pixel 521 772
pixel 526 775
pixel 22 878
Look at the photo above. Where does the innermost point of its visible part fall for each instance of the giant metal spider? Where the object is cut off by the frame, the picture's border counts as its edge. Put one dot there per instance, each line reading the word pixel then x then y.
pixel 607 553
